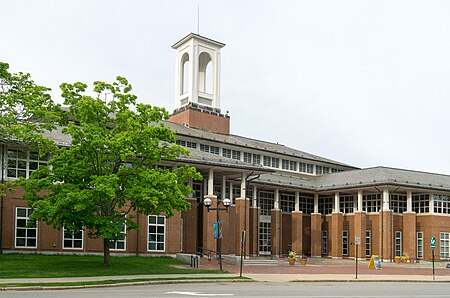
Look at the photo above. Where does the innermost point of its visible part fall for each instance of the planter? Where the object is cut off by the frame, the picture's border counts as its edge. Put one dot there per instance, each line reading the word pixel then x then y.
pixel 291 261
pixel 281 261
pixel 411 261
pixel 303 261
pixel 404 260
pixel 397 260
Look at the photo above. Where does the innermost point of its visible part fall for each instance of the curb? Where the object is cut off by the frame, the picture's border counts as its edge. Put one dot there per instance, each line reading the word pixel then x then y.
pixel 122 284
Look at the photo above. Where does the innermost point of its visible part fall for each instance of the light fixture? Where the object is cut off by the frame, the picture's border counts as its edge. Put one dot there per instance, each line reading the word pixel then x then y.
pixel 207 202
pixel 226 202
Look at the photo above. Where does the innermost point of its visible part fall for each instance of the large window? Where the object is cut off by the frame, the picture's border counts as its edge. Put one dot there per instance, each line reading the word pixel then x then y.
pixel 368 243
pixel 345 243
pixel 72 239
pixel 322 170
pixel 397 203
pixel 287 202
pixel 266 202
pixel 372 202
pixel 272 162
pixel 444 248
pixel 306 204
pixel 187 144
pixel 441 204
pixel 324 242
pixel 228 153
pixel 398 243
pixel 419 245
pixel 346 204
pixel 325 205
pixel 22 164
pixel 25 236
pixel 421 203
pixel 156 232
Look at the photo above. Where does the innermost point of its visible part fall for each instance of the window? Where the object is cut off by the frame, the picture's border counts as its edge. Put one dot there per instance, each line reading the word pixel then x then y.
pixel 272 162
pixel 306 204
pixel 191 145
pixel 289 165
pixel 25 236
pixel 305 167
pixel 325 205
pixel 72 239
pixel 397 203
pixel 236 155
pixel 22 164
pixel 252 158
pixel 319 170
pixel 368 248
pixel 444 248
pixel 226 153
pixel 156 232
pixel 324 242
pixel 419 245
pixel 209 149
pixel 287 202
pixel 345 243
pixel 266 202
pixel 181 143
pixel 398 243
pixel 119 243
pixel 372 202
pixel 421 203
pixel 441 204
pixel 264 238
pixel 346 204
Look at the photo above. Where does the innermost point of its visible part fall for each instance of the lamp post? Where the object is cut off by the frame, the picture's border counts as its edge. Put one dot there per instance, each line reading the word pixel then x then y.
pixel 226 202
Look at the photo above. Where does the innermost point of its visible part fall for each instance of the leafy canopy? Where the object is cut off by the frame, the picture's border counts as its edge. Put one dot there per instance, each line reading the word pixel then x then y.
pixel 110 168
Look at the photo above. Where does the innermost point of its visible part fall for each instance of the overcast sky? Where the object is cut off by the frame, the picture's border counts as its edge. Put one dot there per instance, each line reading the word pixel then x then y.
pixel 363 82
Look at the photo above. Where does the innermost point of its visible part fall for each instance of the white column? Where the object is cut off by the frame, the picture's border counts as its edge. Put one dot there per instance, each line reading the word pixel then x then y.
pixel 409 201
pixel 231 193
pixel 336 202
pixel 224 187
pixel 297 201
pixel 255 196
pixel 316 203
pixel 277 199
pixel 431 203
pixel 243 195
pixel 211 182
pixel 385 199
pixel 360 200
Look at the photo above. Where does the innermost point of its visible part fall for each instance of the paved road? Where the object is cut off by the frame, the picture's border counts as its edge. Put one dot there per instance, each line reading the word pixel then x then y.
pixel 252 289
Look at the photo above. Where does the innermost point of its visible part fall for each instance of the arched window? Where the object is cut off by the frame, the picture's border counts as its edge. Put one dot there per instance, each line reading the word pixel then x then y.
pixel 205 71
pixel 184 74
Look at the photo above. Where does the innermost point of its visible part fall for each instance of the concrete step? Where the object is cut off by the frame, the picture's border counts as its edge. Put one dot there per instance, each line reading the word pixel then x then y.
pixel 260 262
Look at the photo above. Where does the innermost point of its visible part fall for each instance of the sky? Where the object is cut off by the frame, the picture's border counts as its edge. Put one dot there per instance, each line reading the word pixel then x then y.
pixel 366 83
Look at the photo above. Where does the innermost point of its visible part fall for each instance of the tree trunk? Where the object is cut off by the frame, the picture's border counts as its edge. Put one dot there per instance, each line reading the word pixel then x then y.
pixel 106 259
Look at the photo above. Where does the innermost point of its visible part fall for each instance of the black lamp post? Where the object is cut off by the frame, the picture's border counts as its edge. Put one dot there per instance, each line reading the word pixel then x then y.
pixel 226 202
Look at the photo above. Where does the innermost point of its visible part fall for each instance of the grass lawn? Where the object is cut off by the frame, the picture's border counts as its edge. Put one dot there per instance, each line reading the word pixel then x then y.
pixel 29 266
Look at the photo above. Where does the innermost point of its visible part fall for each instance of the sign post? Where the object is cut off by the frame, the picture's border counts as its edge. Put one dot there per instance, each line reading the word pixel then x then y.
pixel 433 247
pixel 357 242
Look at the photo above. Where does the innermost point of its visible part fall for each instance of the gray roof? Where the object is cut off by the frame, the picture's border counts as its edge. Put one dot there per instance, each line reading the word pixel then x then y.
pixel 249 143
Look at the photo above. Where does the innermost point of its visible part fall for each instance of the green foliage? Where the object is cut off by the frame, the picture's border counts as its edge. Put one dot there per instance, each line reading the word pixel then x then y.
pixel 26 110
pixel 109 170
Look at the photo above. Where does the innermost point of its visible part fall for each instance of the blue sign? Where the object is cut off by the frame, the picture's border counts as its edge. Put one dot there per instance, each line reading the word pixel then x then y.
pixel 218 230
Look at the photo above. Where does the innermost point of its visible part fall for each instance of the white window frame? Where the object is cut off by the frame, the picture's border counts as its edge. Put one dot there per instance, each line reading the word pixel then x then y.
pixel 157 233
pixel 345 246
pixel 324 242
pixel 419 245
pixel 398 243
pixel 113 243
pixel 28 212
pixel 444 247
pixel 72 239
pixel 368 243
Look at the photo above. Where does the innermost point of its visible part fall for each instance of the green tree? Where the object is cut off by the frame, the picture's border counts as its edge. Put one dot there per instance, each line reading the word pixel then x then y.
pixel 26 110
pixel 109 172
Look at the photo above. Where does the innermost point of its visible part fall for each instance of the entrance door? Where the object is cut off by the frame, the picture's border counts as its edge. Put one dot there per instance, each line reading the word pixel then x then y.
pixel 266 203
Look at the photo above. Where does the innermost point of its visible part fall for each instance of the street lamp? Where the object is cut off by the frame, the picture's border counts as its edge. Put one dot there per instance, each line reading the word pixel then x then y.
pixel 226 202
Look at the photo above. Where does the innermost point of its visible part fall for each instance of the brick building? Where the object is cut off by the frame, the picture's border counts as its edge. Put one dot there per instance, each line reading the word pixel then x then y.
pixel 282 197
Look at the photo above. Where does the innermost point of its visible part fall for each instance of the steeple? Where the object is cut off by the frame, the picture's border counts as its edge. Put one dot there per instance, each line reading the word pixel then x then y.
pixel 197 84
